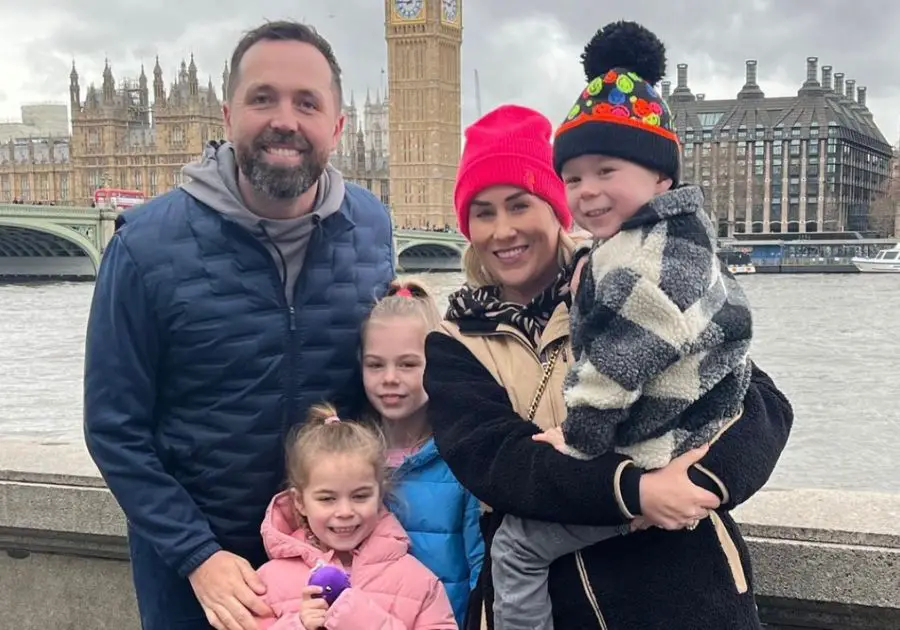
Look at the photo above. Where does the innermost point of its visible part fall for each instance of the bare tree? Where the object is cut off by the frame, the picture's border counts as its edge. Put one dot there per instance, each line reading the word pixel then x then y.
pixel 884 212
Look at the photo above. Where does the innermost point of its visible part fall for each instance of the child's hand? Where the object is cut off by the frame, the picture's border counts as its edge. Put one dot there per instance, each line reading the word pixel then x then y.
pixel 313 609
pixel 640 523
pixel 553 437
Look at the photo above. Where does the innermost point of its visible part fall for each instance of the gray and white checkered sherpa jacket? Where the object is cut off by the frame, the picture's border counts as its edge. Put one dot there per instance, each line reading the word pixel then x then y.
pixel 661 334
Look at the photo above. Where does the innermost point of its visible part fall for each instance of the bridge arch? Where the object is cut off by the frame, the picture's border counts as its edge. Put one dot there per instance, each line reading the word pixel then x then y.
pixel 429 249
pixel 43 238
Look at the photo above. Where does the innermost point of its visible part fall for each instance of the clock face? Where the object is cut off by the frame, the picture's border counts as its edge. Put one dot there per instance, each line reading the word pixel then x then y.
pixel 450 9
pixel 408 9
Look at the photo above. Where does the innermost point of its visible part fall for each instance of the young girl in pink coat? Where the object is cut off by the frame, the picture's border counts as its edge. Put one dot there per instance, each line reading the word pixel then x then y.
pixel 334 513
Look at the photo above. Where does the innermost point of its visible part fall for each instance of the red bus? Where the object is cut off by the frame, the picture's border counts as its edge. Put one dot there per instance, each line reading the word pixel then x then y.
pixel 118 198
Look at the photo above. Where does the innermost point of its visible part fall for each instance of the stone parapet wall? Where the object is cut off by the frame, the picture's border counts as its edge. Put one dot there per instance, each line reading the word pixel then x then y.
pixel 822 559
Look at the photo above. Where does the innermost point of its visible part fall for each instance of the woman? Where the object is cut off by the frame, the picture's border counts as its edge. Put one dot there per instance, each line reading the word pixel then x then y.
pixel 501 360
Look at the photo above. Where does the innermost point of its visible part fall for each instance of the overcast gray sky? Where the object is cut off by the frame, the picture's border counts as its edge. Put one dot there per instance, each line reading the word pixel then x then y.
pixel 526 51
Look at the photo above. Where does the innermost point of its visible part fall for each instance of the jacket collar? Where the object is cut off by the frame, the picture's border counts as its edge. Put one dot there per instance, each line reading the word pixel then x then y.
pixel 284 537
pixel 557 328
pixel 685 199
pixel 421 458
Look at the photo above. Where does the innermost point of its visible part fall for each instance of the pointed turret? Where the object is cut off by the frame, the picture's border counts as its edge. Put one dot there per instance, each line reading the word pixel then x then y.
pixel 211 99
pixel 360 150
pixel 193 81
pixel 74 90
pixel 226 78
pixel 92 99
pixel 159 86
pixel 144 96
pixel 109 84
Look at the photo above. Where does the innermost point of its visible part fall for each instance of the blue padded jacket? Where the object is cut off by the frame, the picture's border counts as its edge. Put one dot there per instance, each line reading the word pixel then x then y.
pixel 442 520
pixel 196 365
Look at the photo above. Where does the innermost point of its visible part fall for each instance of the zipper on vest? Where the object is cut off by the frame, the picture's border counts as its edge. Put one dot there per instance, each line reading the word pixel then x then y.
pixel 291 411
pixel 279 283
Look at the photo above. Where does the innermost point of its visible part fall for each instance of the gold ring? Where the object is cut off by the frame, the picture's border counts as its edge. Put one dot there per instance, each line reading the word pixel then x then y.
pixel 693 525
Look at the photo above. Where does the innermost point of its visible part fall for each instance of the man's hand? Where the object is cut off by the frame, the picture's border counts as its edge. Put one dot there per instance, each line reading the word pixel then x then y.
pixel 228 589
pixel 313 609
pixel 553 437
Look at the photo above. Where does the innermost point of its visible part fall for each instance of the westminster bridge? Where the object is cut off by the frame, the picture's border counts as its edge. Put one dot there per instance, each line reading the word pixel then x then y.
pixel 65 242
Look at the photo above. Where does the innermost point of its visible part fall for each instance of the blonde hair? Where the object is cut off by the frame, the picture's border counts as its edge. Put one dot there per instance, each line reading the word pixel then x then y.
pixel 324 435
pixel 477 274
pixel 405 298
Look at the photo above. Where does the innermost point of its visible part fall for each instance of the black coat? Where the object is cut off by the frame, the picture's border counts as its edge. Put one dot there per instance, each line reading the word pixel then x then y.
pixel 650 580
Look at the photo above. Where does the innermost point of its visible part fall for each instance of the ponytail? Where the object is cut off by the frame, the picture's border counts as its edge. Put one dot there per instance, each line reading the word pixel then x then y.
pixel 406 298
pixel 325 433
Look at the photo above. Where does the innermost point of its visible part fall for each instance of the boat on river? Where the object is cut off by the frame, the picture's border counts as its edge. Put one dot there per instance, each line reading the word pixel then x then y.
pixel 885 261
pixel 737 262
pixel 810 252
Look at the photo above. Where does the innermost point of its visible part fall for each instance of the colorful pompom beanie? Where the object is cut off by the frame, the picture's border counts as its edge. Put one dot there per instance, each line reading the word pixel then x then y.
pixel 620 114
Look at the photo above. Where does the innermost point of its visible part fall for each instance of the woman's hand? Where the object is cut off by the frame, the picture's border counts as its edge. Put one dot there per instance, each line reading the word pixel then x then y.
pixel 670 500
pixel 576 274
pixel 313 608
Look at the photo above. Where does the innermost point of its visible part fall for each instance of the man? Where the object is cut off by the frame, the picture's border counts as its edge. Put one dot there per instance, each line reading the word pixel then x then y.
pixel 222 311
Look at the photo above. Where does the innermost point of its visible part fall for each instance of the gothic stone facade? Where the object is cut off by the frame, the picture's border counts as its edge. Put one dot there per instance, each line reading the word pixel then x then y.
pixel 124 135
pixel 362 151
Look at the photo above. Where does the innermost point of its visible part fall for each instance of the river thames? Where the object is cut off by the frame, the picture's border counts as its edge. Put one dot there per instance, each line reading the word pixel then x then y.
pixel 832 343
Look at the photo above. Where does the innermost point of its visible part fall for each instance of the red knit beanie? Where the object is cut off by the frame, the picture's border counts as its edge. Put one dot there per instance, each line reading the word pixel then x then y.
pixel 509 146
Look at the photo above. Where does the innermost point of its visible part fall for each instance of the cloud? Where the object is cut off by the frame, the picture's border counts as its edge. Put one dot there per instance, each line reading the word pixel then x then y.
pixel 525 51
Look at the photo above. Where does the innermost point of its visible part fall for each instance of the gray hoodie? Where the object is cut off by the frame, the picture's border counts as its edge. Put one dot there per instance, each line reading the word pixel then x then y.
pixel 213 181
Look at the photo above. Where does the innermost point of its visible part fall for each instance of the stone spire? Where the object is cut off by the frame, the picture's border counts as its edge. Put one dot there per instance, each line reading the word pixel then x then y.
pixel 226 77
pixel 159 86
pixel 74 90
pixel 109 84
pixel 193 81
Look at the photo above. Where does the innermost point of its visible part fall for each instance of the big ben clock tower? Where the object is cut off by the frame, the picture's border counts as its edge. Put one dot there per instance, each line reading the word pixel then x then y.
pixel 424 38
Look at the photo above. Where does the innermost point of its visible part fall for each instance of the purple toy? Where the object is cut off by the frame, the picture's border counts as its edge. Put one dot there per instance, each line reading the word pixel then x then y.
pixel 333 581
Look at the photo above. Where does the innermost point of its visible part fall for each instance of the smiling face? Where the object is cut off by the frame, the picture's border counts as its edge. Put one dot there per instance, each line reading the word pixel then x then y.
pixel 515 235
pixel 394 366
pixel 283 117
pixel 341 500
pixel 604 192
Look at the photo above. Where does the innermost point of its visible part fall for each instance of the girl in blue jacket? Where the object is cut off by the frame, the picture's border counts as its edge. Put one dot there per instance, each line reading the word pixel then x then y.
pixel 440 516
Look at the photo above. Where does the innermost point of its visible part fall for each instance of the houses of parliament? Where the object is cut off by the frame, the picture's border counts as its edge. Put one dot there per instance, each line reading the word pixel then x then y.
pixel 402 144
pixel 138 134
pixel 814 161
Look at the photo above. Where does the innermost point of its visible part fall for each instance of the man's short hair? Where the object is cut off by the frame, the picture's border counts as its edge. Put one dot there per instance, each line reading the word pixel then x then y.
pixel 285 30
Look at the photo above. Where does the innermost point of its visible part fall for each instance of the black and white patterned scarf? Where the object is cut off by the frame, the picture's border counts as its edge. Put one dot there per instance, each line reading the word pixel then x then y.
pixel 484 303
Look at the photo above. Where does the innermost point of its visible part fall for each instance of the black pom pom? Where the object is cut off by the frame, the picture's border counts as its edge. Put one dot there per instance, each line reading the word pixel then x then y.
pixel 625 45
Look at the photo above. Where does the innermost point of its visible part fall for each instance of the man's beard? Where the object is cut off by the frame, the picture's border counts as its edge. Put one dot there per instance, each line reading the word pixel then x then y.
pixel 281 182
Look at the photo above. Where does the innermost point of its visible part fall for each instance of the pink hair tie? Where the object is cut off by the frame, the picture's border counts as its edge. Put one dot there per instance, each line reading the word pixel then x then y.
pixel 404 292
pixel 332 420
